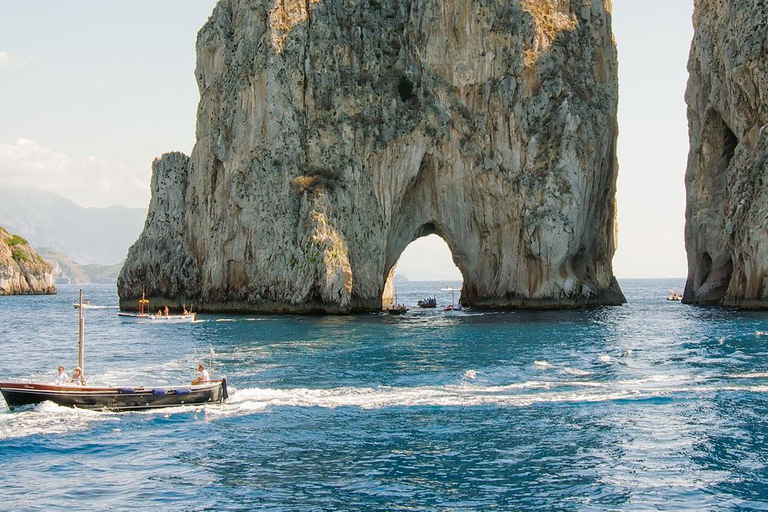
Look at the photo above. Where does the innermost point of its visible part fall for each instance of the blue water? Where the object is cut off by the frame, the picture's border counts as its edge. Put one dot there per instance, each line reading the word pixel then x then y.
pixel 651 406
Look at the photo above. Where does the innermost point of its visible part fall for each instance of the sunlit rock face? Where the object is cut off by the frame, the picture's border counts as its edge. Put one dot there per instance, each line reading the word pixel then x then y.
pixel 332 133
pixel 727 214
pixel 22 270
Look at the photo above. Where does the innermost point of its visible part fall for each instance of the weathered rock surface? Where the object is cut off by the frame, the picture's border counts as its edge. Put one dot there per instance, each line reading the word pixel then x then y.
pixel 727 215
pixel 22 270
pixel 332 133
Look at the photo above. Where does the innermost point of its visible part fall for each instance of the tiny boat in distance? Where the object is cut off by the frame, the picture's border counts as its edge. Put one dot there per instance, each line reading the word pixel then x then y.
pixel 399 309
pixel 453 306
pixel 674 296
pixel 113 398
pixel 428 302
pixel 87 305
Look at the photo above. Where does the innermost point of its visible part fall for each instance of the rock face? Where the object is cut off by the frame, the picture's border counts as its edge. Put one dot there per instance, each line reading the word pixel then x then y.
pixel 727 215
pixel 332 133
pixel 22 270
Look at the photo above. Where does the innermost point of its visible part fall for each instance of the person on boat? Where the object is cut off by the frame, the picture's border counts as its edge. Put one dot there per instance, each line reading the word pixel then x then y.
pixel 166 311
pixel 61 377
pixel 203 378
pixel 78 378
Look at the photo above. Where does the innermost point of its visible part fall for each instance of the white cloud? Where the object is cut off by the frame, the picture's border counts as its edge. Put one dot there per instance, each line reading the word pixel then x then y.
pixel 9 60
pixel 88 181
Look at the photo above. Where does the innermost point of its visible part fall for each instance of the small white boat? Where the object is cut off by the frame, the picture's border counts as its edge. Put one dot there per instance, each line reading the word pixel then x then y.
pixel 453 307
pixel 88 305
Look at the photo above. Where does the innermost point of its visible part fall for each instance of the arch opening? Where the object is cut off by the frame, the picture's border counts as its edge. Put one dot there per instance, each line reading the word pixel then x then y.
pixel 425 268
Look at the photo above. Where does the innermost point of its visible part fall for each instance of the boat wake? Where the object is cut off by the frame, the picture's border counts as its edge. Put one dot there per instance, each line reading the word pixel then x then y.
pixel 48 418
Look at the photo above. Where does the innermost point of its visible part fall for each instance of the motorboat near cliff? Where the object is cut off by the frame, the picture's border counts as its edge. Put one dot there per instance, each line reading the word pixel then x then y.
pixel 113 398
pixel 397 309
pixel 159 319
pixel 674 296
pixel 162 315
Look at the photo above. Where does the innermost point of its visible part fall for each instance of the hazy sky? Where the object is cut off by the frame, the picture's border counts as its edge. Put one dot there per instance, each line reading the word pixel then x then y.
pixel 91 91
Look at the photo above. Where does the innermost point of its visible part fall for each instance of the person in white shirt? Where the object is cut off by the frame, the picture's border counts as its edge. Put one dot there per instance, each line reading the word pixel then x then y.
pixel 203 378
pixel 61 377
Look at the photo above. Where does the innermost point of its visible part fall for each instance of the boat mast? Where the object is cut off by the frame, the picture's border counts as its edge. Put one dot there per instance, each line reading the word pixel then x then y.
pixel 80 331
pixel 142 302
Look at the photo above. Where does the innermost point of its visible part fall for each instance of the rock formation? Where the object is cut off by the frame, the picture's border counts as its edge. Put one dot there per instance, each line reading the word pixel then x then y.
pixel 727 215
pixel 22 270
pixel 332 133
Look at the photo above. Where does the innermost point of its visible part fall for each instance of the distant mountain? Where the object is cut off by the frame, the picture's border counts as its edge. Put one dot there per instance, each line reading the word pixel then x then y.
pixel 66 271
pixel 86 235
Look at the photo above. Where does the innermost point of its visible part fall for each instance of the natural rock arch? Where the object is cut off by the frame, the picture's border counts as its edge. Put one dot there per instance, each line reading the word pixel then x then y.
pixel 429 228
pixel 333 133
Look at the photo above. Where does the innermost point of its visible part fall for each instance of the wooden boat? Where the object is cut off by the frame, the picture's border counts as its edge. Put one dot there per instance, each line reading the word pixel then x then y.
pixel 145 317
pixel 395 308
pixel 429 302
pixel 113 398
pixel 159 319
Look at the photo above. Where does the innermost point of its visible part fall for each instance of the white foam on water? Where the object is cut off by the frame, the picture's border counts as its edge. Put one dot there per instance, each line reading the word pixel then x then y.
pixel 458 395
pixel 49 418
pixel 577 372
pixel 605 358
pixel 470 374
pixel 749 375
pixel 542 364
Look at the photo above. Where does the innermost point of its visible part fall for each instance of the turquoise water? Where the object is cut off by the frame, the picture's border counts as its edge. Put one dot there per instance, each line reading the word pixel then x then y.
pixel 653 405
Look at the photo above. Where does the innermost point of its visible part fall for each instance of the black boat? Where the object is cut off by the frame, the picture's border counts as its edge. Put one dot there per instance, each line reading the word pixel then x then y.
pixel 113 398
pixel 429 302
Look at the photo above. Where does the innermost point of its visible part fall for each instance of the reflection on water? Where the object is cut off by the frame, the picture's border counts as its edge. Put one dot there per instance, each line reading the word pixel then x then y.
pixel 651 405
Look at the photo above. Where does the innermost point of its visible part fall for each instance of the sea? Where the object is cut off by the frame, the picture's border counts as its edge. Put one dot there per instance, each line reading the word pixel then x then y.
pixel 654 405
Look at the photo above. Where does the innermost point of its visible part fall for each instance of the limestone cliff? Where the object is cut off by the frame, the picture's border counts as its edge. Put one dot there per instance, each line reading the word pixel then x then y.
pixel 727 215
pixel 22 270
pixel 332 133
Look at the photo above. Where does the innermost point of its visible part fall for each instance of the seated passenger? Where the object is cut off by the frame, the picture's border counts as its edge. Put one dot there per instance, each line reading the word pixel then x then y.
pixel 203 378
pixel 78 378
pixel 61 377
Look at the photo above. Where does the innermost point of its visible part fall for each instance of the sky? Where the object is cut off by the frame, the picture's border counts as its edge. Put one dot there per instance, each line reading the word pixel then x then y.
pixel 91 91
